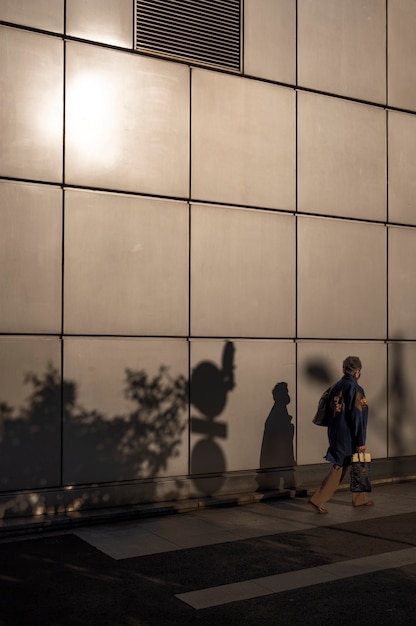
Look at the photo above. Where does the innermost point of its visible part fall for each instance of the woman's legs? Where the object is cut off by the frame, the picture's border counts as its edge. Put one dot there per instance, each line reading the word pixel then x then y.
pixel 361 498
pixel 328 486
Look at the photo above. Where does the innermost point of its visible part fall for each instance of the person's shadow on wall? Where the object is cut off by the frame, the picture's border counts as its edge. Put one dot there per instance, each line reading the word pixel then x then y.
pixel 277 445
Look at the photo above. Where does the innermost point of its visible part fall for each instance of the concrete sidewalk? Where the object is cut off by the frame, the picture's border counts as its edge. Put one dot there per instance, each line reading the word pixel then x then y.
pixel 219 525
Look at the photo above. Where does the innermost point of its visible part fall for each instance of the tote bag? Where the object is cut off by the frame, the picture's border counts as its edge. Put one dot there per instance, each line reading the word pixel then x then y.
pixel 360 472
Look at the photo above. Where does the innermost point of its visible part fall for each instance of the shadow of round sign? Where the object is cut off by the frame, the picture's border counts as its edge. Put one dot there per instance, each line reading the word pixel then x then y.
pixel 207 457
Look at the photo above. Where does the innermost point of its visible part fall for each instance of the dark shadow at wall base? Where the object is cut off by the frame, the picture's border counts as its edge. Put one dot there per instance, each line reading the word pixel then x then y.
pixel 13 527
pixel 280 479
pixel 382 470
pixel 55 509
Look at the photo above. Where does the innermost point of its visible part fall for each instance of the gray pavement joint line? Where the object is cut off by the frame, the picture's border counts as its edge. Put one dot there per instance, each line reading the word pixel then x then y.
pixel 257 587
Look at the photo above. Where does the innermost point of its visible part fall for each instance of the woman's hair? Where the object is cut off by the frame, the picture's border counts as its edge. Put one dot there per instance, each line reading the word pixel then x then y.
pixel 351 364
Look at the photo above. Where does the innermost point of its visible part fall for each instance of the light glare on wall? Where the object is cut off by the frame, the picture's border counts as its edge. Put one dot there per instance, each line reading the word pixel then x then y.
pixel 92 125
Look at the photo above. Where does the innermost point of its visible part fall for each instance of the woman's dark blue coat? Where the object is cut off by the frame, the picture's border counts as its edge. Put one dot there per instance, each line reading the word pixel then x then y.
pixel 347 424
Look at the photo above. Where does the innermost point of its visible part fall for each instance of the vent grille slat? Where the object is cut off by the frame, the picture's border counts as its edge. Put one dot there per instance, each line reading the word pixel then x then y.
pixel 203 8
pixel 182 36
pixel 203 31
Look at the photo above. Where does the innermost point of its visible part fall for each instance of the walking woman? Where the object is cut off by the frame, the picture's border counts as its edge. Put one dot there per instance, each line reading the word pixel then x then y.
pixel 347 427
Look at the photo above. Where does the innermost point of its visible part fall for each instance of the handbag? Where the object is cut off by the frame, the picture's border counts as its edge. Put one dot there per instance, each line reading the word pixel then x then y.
pixel 360 472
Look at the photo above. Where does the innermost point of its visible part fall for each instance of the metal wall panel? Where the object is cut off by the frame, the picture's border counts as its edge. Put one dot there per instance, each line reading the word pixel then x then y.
pixel 42 14
pixel 341 158
pixel 342 47
pixel 401 68
pixel 126 265
pixel 243 141
pixel 242 273
pixel 30 258
pixel 31 120
pixel 242 425
pixel 402 167
pixel 341 279
pixel 270 39
pixel 30 398
pixel 401 399
pixel 402 283
pixel 106 21
pixel 125 409
pixel 127 122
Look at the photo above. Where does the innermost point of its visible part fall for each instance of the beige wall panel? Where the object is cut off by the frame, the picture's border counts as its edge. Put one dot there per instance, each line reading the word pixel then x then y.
pixel 30 401
pixel 402 53
pixel 341 158
pixel 402 167
pixel 270 39
pixel 31 115
pixel 402 283
pixel 319 366
pixel 242 273
pixel 341 279
pixel 126 265
pixel 243 406
pixel 342 47
pixel 126 409
pixel 243 141
pixel 402 399
pixel 107 21
pixel 127 122
pixel 42 14
pixel 30 258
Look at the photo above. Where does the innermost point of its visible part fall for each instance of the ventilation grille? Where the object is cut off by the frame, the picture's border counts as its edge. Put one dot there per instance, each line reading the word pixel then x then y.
pixel 203 31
